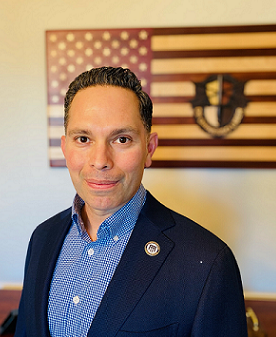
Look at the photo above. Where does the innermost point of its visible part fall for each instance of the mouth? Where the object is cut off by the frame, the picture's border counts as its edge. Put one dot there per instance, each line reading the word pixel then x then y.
pixel 101 184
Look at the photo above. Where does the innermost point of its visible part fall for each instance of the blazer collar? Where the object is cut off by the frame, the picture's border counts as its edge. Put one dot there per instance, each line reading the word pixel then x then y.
pixel 136 269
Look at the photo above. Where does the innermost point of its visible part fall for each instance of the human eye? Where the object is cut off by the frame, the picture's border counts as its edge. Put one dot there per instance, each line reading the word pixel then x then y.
pixel 82 139
pixel 122 140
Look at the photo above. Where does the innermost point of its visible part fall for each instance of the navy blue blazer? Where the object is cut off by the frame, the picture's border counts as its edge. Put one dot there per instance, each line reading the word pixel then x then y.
pixel 192 288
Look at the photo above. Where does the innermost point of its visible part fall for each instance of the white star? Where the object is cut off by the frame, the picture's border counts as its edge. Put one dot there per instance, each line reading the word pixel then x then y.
pixel 143 67
pixel 62 76
pixel 53 69
pixel 88 52
pixel 63 92
pixel 143 35
pixel 143 82
pixel 62 61
pixel 62 45
pixel 98 60
pixel 53 38
pixel 106 52
pixel 88 67
pixel 133 43
pixel 115 44
pixel 98 45
pixel 124 35
pixel 70 37
pixel 54 84
pixel 71 68
pixel 88 37
pixel 143 51
pixel 79 45
pixel 55 98
pixel 106 36
pixel 71 53
pixel 124 51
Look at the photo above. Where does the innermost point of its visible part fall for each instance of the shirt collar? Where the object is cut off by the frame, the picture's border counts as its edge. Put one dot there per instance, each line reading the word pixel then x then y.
pixel 119 223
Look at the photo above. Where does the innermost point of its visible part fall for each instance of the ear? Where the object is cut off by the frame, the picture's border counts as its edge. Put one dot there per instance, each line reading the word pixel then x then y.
pixel 62 145
pixel 152 145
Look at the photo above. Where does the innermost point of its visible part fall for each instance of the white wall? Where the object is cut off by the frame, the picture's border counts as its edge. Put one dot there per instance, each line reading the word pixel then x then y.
pixel 237 205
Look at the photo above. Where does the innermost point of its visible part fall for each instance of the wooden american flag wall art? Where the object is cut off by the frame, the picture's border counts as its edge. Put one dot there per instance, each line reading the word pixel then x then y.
pixel 191 75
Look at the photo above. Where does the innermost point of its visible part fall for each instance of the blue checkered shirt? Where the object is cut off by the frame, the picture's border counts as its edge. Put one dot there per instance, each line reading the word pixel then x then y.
pixel 85 268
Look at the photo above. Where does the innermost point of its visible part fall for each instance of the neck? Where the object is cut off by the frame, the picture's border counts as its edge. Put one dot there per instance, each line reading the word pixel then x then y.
pixel 92 221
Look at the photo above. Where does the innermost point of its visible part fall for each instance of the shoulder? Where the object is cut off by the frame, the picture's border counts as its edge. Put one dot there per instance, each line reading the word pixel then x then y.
pixel 183 231
pixel 55 223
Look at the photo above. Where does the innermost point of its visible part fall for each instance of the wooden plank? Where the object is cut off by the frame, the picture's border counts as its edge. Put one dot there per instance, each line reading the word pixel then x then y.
pixel 213 29
pixel 214 65
pixel 257 40
pixel 215 153
pixel 213 164
pixel 201 76
pixel 187 88
pixel 244 131
pixel 253 109
pixel 191 120
pixel 173 54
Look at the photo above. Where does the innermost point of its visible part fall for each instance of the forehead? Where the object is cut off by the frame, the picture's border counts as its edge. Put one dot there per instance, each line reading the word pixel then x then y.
pixel 105 103
pixel 105 95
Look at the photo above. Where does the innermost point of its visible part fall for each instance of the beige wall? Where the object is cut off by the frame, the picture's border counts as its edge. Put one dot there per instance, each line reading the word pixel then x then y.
pixel 237 205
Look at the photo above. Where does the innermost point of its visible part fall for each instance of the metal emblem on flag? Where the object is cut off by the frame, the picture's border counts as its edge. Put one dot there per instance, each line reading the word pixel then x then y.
pixel 219 104
pixel 152 248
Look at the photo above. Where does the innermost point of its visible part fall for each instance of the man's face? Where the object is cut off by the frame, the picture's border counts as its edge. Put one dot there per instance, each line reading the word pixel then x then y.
pixel 106 147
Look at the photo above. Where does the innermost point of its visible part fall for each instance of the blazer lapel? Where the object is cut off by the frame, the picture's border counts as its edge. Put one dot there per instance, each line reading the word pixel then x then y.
pixel 135 271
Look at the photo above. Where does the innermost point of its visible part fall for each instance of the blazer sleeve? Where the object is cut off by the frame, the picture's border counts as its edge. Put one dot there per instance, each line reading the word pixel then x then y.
pixel 221 309
pixel 20 324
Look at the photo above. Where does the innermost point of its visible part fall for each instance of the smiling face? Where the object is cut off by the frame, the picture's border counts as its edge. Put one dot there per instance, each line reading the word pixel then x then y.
pixel 106 147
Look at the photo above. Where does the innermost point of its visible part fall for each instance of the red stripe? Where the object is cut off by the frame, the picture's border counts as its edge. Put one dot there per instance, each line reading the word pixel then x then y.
pixel 217 142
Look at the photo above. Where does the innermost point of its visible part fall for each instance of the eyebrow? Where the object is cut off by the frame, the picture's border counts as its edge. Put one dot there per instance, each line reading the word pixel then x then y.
pixel 78 132
pixel 114 133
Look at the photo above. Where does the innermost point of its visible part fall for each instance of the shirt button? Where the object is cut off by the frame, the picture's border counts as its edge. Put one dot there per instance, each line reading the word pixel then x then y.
pixel 116 238
pixel 90 251
pixel 76 299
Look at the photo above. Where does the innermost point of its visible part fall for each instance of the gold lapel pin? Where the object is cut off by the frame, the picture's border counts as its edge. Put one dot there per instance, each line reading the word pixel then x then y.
pixel 152 248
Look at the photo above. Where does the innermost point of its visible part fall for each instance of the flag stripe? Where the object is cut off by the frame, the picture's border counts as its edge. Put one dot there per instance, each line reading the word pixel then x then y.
pixel 214 41
pixel 244 131
pixel 187 88
pixel 185 109
pixel 207 164
pixel 201 76
pixel 213 30
pixel 213 65
pixel 216 142
pixel 174 54
pixel 188 99
pixel 191 120
pixel 215 153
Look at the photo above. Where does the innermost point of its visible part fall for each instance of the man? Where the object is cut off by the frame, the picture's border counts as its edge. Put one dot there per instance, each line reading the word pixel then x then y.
pixel 119 263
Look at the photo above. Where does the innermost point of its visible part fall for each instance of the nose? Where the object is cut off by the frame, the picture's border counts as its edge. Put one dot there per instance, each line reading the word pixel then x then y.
pixel 100 156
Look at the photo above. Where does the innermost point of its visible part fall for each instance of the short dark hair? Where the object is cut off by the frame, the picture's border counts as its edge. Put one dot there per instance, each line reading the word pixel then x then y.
pixel 118 77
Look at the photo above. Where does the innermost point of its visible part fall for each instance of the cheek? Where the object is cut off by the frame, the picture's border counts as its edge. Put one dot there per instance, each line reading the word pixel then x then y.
pixel 74 160
pixel 132 163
